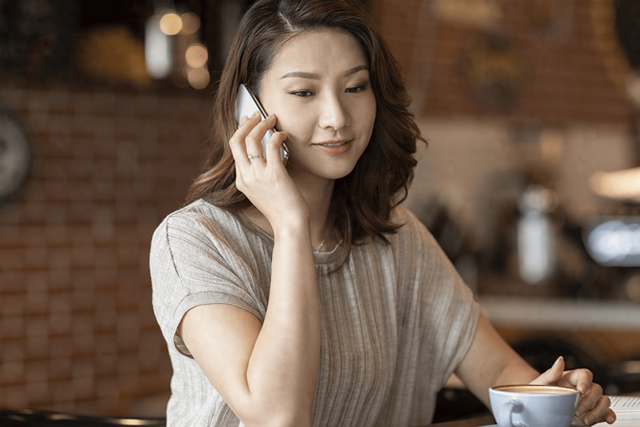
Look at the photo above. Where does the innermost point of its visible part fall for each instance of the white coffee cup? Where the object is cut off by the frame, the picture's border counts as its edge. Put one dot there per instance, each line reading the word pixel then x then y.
pixel 533 405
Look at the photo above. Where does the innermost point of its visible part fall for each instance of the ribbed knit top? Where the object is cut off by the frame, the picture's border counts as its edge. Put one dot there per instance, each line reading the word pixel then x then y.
pixel 396 320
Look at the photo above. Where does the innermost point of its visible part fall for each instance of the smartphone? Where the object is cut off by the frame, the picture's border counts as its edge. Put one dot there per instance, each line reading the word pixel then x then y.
pixel 246 105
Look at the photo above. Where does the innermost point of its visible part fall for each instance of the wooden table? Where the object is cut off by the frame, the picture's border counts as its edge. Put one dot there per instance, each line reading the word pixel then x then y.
pixel 471 422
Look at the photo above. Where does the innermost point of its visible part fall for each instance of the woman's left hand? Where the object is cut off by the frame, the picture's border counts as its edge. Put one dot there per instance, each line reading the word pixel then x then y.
pixel 593 407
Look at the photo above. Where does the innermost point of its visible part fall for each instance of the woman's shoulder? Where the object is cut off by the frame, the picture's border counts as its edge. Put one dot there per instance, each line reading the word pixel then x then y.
pixel 406 220
pixel 196 218
pixel 201 210
pixel 411 230
pixel 201 207
pixel 401 215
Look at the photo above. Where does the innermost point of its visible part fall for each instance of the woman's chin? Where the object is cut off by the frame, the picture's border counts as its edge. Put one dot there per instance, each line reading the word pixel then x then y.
pixel 332 172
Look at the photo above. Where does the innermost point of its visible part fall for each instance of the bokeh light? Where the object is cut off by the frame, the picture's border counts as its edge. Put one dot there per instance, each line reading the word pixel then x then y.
pixel 198 78
pixel 196 55
pixel 190 23
pixel 171 24
pixel 158 50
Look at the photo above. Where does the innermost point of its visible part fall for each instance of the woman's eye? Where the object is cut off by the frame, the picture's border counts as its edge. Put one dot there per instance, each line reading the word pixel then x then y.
pixel 356 89
pixel 302 93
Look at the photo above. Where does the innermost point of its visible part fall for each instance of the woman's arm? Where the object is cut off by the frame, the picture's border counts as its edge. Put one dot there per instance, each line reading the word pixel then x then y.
pixel 491 361
pixel 266 373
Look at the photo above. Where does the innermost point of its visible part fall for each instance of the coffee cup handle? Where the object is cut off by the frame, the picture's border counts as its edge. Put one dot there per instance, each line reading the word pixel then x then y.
pixel 506 417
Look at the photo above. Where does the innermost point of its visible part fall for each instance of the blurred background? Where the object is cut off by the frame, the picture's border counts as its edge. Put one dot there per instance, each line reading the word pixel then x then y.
pixel 532 113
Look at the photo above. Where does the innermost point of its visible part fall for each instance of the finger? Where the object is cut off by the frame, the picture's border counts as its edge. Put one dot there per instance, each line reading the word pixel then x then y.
pixel 581 379
pixel 237 141
pixel 553 374
pixel 591 400
pixel 254 138
pixel 274 144
pixel 248 123
pixel 600 413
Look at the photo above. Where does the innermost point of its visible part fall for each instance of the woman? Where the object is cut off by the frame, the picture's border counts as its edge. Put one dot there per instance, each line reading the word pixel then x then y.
pixel 305 295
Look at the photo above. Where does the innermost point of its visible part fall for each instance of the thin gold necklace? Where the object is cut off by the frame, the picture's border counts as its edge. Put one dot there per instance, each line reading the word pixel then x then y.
pixel 320 247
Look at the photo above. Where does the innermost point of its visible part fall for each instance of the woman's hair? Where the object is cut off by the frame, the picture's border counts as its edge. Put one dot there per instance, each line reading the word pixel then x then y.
pixel 363 200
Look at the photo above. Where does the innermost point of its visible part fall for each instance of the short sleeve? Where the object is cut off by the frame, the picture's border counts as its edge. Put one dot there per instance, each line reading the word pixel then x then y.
pixel 448 310
pixel 192 264
pixel 452 314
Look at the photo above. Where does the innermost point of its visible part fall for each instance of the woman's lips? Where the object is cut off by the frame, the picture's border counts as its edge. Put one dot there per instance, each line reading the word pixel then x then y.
pixel 335 148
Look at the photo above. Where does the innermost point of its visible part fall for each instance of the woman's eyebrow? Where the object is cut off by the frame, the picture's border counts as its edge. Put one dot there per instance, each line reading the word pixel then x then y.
pixel 301 74
pixel 315 76
pixel 356 69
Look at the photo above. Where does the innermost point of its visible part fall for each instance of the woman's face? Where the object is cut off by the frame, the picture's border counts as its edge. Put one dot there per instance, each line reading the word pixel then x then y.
pixel 318 87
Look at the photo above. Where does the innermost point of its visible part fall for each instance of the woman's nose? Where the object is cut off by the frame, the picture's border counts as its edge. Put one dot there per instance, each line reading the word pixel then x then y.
pixel 334 114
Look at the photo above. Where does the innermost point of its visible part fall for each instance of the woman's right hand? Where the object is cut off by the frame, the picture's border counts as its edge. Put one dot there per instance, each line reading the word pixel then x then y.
pixel 265 181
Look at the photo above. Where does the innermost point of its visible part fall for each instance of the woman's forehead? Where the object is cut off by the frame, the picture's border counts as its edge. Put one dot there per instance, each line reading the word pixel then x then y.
pixel 318 53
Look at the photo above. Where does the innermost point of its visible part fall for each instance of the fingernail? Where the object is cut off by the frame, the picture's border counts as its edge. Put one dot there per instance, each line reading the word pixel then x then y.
pixel 255 114
pixel 243 119
pixel 587 420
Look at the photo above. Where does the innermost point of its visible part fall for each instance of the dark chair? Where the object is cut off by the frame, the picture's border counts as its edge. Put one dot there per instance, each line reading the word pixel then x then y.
pixel 39 418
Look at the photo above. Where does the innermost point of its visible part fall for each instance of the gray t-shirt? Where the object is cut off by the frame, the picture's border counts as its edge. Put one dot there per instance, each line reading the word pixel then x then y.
pixel 396 320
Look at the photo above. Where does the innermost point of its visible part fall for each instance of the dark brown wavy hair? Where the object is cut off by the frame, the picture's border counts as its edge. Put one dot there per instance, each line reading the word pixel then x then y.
pixel 363 200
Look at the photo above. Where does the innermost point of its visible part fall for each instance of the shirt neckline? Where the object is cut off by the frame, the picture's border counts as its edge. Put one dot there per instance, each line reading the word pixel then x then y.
pixel 318 258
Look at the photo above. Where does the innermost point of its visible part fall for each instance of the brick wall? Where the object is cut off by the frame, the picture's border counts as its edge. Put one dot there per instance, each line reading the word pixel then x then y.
pixel 573 68
pixel 77 331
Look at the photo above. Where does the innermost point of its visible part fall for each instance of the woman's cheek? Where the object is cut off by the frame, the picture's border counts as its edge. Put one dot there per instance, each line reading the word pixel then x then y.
pixel 295 123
